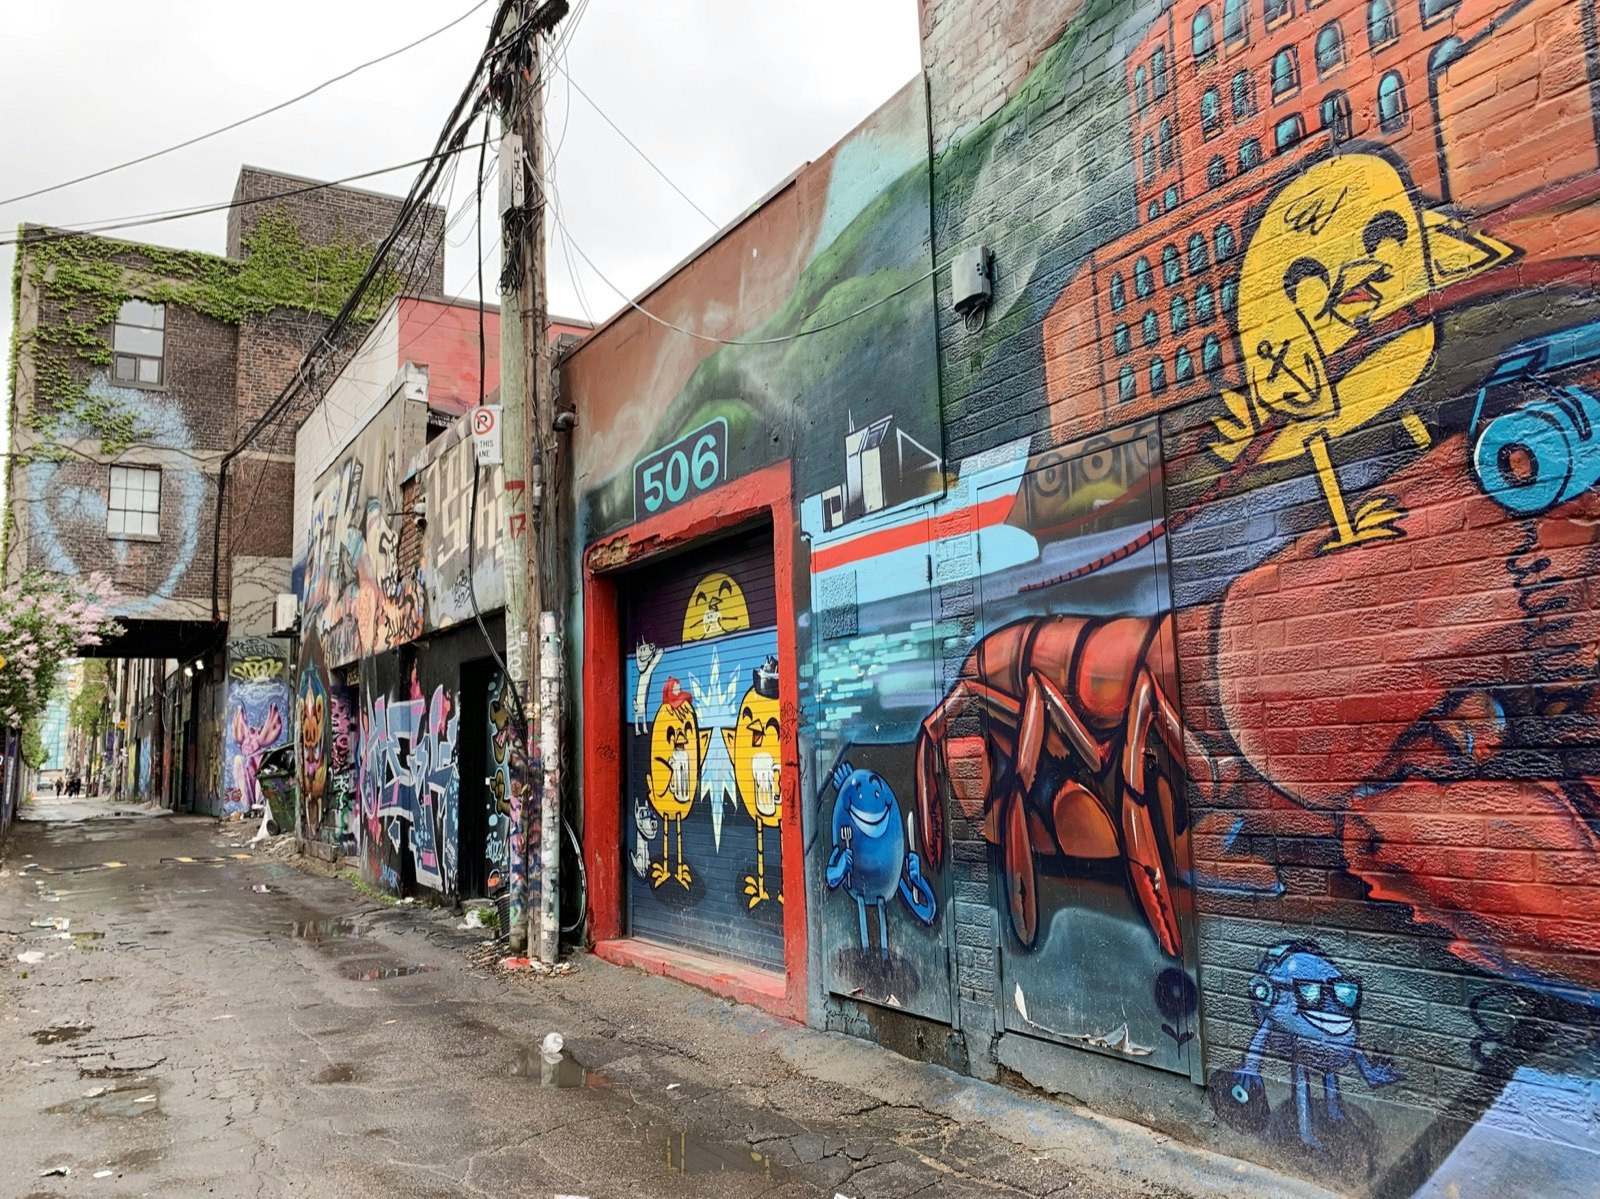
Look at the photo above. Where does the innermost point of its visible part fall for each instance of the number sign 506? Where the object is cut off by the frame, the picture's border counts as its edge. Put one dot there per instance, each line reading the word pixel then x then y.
pixel 694 463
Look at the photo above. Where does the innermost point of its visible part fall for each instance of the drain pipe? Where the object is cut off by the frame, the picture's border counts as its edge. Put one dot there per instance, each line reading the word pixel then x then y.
pixel 550 788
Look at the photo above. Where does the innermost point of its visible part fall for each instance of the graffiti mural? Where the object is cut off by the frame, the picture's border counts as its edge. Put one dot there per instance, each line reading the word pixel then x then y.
pixel 258 706
pixel 447 481
pixel 705 802
pixel 501 837
pixel 410 799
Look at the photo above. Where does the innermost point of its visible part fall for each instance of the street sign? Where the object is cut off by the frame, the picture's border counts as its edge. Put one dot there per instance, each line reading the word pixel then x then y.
pixel 486 434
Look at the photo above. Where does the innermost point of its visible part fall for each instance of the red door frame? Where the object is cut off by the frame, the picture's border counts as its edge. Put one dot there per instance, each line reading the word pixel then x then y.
pixel 765 494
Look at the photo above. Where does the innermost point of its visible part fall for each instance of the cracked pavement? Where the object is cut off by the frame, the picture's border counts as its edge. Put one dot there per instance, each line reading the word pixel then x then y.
pixel 186 1034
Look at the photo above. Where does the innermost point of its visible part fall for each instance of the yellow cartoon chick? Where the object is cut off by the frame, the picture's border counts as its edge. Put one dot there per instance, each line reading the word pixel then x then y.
pixel 677 751
pixel 753 749
pixel 1342 252
pixel 716 607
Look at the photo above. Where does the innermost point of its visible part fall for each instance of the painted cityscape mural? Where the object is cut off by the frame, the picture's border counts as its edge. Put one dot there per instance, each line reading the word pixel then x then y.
pixel 1212 687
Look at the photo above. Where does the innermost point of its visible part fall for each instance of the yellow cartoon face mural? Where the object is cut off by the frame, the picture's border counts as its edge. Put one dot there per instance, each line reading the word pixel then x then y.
pixel 753 749
pixel 677 751
pixel 1340 255
pixel 716 607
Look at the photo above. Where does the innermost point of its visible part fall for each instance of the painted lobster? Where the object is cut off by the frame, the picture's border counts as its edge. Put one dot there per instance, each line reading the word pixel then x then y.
pixel 1060 739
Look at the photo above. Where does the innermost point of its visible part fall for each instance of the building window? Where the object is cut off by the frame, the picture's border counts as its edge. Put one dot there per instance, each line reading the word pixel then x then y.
pixel 1121 339
pixel 1152 210
pixel 1170 197
pixel 1330 48
pixel 1171 266
pixel 1119 292
pixel 1179 314
pixel 1158 72
pixel 1127 385
pixel 1183 365
pixel 1432 10
pixel 1158 376
pixel 138 343
pixel 1235 21
pixel 1391 102
pixel 1144 280
pixel 1243 100
pixel 1151 330
pixel 1230 293
pixel 1249 154
pixel 1147 153
pixel 1224 241
pixel 1336 116
pixel 1205 305
pixel 1204 34
pixel 1199 253
pixel 1166 141
pixel 1383 24
pixel 1210 112
pixel 1211 356
pixel 1288 133
pixel 1216 172
pixel 1285 72
pixel 1274 11
pixel 1141 87
pixel 133 507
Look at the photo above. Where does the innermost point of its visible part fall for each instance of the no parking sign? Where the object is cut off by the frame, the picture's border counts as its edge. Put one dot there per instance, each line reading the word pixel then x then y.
pixel 486 434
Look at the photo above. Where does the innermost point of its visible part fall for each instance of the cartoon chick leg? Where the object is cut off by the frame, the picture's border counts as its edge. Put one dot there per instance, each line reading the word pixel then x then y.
pixel 755 885
pixel 1374 520
pixel 660 872
pixel 682 874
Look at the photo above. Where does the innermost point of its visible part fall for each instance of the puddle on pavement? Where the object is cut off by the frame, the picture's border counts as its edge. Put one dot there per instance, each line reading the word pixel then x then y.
pixel 685 1152
pixel 324 930
pixel 128 1101
pixel 562 1071
pixel 57 1033
pixel 379 973
pixel 338 1072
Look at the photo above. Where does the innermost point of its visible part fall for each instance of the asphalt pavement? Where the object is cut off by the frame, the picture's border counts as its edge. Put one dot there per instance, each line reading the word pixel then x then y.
pixel 183 1014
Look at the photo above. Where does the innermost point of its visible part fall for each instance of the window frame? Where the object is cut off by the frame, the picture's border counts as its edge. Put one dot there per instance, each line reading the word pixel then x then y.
pixel 1290 55
pixel 1341 56
pixel 136 357
pixel 1204 24
pixel 1241 35
pixel 149 480
pixel 1402 117
pixel 1392 22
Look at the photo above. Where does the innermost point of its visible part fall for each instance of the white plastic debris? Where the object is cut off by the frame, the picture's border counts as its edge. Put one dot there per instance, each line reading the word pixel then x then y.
pixel 261 888
pixel 104 1173
pixel 95 1092
pixel 30 957
pixel 673 1086
pixel 475 919
pixel 553 1044
pixel 59 923
pixel 55 1172
pixel 145 1099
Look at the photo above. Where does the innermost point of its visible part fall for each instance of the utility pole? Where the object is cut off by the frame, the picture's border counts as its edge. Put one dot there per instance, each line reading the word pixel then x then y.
pixel 532 534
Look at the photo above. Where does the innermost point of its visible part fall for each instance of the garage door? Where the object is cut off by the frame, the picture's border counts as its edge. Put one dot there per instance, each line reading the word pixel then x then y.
pixel 703 852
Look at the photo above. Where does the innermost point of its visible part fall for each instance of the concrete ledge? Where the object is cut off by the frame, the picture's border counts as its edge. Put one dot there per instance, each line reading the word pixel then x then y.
pixel 742 984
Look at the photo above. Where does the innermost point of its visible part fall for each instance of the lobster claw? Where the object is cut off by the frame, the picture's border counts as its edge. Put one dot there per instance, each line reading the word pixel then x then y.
pixel 1148 875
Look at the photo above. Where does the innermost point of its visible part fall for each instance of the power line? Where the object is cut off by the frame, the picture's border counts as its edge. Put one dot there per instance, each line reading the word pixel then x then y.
pixel 178 214
pixel 751 341
pixel 252 117
pixel 573 83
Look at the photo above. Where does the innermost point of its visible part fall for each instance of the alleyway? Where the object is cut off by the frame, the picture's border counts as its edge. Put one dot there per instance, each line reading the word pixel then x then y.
pixel 194 1035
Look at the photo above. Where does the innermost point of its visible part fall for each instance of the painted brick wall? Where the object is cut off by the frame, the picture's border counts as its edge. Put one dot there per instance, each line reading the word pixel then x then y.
pixel 1347 287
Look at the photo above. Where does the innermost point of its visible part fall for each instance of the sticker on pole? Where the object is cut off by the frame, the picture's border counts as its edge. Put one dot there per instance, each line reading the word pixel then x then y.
pixel 486 434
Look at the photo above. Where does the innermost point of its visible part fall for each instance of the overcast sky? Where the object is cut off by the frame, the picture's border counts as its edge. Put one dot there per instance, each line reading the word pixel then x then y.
pixel 727 96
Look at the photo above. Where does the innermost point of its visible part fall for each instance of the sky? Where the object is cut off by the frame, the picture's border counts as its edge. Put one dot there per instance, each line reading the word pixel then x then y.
pixel 727 97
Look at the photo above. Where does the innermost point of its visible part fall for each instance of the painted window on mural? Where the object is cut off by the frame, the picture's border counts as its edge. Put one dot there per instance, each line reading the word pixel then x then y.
pixel 1141 86
pixel 1235 21
pixel 1122 339
pixel 1285 72
pixel 1119 292
pixel 1127 384
pixel 1199 253
pixel 1158 72
pixel 1171 265
pixel 1158 376
pixel 1432 10
pixel 1205 304
pixel 1243 101
pixel 1224 241
pixel 1287 134
pixel 133 502
pixel 1179 314
pixel 1383 24
pixel 138 343
pixel 1171 197
pixel 1336 116
pixel 1183 365
pixel 1391 102
pixel 1166 142
pixel 1210 112
pixel 1216 171
pixel 1147 156
pixel 1144 280
pixel 1330 48
pixel 1150 330
pixel 1249 153
pixel 1203 35
pixel 1211 355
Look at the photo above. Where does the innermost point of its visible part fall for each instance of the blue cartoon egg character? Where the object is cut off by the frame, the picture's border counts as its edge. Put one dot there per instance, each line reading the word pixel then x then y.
pixel 871 859
pixel 1307 1010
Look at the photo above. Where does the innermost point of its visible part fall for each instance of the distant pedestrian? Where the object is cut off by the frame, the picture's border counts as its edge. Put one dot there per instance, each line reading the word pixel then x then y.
pixel 58 786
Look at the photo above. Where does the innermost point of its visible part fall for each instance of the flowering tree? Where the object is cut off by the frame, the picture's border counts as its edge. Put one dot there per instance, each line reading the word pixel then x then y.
pixel 43 621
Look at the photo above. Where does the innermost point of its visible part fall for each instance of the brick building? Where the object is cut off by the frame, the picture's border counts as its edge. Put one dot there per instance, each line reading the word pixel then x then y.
pixel 138 368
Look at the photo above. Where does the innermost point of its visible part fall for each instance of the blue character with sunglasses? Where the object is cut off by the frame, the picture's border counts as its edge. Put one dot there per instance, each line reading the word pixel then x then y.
pixel 1307 1010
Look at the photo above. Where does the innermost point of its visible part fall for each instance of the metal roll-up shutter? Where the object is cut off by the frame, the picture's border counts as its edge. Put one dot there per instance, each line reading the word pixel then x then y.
pixel 701 813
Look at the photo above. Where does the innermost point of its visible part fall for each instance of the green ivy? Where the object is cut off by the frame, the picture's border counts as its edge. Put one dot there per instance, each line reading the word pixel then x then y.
pixel 83 281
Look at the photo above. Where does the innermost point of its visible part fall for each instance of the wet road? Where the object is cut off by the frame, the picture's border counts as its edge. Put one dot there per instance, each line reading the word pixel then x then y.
pixel 184 1032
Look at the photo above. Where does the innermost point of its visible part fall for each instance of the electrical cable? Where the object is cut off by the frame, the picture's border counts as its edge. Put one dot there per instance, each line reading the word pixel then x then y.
pixel 161 216
pixel 253 117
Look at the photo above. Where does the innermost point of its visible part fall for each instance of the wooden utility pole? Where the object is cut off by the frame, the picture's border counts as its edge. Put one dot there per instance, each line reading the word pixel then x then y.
pixel 532 533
